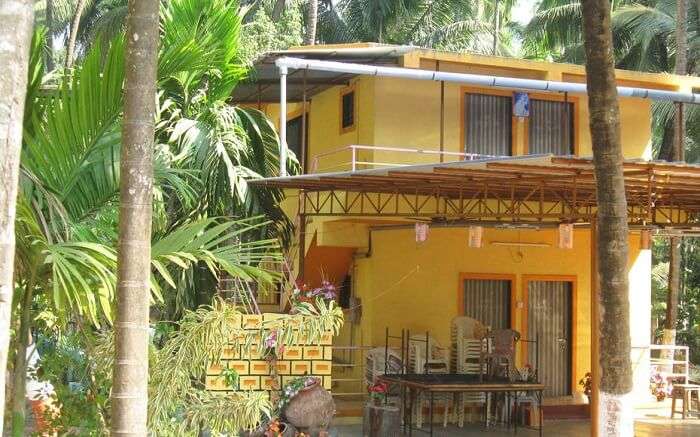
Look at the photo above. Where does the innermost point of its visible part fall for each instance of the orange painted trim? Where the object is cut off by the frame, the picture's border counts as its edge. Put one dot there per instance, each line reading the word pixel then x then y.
pixel 492 277
pixel 462 112
pixel 352 88
pixel 573 279
pixel 526 134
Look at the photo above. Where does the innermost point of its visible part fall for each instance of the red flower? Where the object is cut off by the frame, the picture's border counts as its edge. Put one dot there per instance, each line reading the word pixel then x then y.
pixel 379 387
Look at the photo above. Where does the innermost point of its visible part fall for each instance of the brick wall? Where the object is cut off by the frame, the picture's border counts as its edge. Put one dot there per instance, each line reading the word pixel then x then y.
pixel 253 369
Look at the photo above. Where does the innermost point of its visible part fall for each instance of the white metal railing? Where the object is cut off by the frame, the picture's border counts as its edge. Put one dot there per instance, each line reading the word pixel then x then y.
pixel 355 160
pixel 667 359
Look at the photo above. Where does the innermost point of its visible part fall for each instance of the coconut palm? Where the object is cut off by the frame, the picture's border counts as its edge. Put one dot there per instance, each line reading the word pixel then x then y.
pixel 67 215
pixel 15 39
pixel 452 25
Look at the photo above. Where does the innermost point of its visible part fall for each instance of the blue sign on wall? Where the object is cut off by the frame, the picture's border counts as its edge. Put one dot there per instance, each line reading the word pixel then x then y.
pixel 521 104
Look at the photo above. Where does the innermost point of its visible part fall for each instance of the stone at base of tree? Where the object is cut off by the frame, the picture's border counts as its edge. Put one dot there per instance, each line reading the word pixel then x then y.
pixel 381 421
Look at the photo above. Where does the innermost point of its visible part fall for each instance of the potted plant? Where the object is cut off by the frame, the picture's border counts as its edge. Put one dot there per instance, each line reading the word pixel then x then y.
pixel 587 383
pixel 303 294
pixel 378 392
pixel 277 428
pixel 659 385
pixel 307 405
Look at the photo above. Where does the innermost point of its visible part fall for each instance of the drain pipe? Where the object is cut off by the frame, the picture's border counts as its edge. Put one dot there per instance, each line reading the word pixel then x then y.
pixel 476 79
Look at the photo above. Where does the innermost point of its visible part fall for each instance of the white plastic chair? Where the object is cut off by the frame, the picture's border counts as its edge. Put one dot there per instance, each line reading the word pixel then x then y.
pixel 467 346
pixel 435 362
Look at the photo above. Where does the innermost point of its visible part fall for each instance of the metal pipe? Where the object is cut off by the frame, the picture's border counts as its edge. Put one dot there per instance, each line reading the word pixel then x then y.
pixel 478 79
pixel 283 120
pixel 302 149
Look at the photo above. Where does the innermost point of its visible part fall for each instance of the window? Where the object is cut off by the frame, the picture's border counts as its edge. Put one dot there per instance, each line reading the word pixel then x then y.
pixel 488 301
pixel 487 124
pixel 294 136
pixel 347 107
pixel 551 127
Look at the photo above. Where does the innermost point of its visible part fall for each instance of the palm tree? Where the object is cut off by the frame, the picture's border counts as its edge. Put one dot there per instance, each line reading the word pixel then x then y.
pixel 67 214
pixel 612 245
pixel 17 18
pixel 73 32
pixel 675 256
pixel 311 22
pixel 130 374
pixel 456 25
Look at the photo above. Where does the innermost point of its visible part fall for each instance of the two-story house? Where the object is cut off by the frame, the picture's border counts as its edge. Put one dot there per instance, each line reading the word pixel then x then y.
pixel 439 184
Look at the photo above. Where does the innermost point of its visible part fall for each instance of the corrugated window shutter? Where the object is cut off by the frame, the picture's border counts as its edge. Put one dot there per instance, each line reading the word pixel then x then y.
pixel 551 127
pixel 487 122
pixel 488 301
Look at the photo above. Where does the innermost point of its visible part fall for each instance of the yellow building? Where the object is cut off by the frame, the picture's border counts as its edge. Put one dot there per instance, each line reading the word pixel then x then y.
pixel 489 156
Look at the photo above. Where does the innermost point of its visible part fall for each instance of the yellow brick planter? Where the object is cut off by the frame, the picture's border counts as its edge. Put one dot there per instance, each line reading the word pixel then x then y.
pixel 304 358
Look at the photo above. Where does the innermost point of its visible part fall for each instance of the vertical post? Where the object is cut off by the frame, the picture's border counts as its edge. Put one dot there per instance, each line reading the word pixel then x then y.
pixel 283 121
pixel 595 329
pixel 354 158
pixel 442 114
pixel 302 234
pixel 680 133
pixel 302 150
pixel 565 121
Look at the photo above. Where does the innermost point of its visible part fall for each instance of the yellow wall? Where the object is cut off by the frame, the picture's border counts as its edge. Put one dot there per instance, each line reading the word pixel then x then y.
pixel 416 286
pixel 406 113
pixel 254 373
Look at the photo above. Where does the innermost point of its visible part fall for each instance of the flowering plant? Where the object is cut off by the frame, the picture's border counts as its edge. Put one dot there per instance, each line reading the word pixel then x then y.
pixel 274 429
pixel 272 346
pixel 528 373
pixel 587 383
pixel 378 391
pixel 302 293
pixel 293 387
pixel 659 385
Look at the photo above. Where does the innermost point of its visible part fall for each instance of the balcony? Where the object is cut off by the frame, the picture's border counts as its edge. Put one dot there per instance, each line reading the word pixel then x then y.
pixel 361 157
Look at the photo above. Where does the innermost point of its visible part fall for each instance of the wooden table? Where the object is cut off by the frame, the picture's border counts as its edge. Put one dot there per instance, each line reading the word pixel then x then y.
pixel 457 383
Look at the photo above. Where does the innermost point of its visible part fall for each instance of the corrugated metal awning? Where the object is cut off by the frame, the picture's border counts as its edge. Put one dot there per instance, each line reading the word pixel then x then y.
pixel 657 192
pixel 262 85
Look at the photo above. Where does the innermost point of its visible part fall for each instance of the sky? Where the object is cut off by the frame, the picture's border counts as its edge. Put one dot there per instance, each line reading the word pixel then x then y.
pixel 523 11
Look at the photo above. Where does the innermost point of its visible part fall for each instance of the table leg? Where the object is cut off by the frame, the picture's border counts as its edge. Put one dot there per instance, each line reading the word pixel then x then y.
pixel 431 413
pixel 539 410
pixel 515 406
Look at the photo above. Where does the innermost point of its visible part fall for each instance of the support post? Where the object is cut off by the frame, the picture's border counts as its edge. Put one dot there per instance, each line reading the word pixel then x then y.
pixel 302 234
pixel 442 114
pixel 283 121
pixel 302 150
pixel 595 329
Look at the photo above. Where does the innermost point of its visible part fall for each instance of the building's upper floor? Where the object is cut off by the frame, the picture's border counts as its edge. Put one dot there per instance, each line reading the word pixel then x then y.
pixel 340 121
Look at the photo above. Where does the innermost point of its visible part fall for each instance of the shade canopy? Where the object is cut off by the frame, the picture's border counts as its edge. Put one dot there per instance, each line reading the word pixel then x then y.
pixel 534 188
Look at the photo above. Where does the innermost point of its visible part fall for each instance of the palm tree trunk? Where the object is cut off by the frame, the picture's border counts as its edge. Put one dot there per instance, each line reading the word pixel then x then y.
pixel 496 28
pixel 70 50
pixel 49 35
pixel 311 22
pixel 278 9
pixel 674 261
pixel 17 18
pixel 19 375
pixel 615 418
pixel 130 377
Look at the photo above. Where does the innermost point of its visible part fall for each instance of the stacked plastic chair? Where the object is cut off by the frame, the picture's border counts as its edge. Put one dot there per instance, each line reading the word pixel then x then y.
pixel 468 344
pixel 376 364
pixel 436 362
